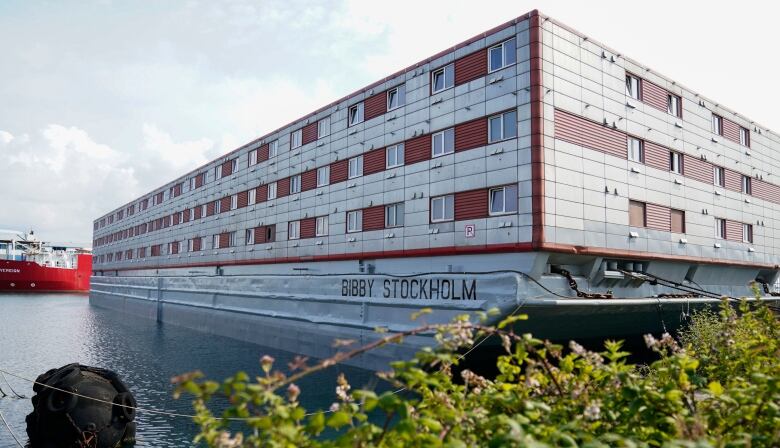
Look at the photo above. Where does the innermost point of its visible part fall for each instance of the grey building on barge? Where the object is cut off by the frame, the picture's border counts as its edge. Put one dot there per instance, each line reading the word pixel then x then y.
pixel 476 178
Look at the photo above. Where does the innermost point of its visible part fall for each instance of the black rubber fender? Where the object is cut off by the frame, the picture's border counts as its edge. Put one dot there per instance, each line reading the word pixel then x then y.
pixel 58 402
pixel 121 409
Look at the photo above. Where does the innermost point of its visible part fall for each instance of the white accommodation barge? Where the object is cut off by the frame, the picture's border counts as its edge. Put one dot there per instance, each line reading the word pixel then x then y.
pixel 529 167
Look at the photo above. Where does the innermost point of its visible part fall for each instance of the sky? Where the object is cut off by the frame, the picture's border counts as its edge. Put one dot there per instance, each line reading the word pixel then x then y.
pixel 103 101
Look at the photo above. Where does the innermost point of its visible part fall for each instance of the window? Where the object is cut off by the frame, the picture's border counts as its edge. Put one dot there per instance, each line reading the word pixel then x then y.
pixel 747 233
pixel 747 185
pixel 678 221
pixel 636 150
pixel 323 127
pixel 295 184
pixel 394 215
pixel 355 167
pixel 234 202
pixel 744 137
pixel 675 162
pixel 443 208
pixel 502 55
pixel 674 105
pixel 249 238
pixel 502 127
pixel 633 87
pixel 217 173
pixel 717 124
pixel 395 155
pixel 354 221
pixel 273 148
pixel 294 230
pixel 296 138
pixel 252 157
pixel 203 209
pixel 252 197
pixel 192 183
pixel 190 245
pixel 443 142
pixel 719 176
pixel 217 206
pixel 720 228
pixel 356 114
pixel 269 233
pixel 503 200
pixel 443 78
pixel 396 97
pixel 322 226
pixel 215 242
pixel 272 190
pixel 323 176
pixel 636 214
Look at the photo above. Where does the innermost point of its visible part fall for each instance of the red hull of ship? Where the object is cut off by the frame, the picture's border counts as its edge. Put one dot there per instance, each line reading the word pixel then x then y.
pixel 26 276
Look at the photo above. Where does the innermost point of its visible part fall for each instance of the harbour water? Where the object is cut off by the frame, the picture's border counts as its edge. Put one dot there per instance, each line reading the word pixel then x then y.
pixel 43 331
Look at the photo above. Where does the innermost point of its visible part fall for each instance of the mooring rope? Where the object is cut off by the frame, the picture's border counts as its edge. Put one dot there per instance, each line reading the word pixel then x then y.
pixel 11 388
pixel 10 431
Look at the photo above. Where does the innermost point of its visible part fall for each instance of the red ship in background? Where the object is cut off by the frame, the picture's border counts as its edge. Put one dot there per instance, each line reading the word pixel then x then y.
pixel 30 265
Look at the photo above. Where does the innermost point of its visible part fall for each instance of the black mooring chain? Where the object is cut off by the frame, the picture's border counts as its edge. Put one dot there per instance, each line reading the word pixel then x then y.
pixel 582 294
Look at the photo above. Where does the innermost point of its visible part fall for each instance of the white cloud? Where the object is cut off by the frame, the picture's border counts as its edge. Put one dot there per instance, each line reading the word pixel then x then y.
pixel 188 154
pixel 6 137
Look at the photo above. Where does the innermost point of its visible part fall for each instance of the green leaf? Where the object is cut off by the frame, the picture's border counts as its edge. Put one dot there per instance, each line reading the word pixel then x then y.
pixel 421 313
pixel 715 388
pixel 338 419
pixel 512 319
pixel 316 423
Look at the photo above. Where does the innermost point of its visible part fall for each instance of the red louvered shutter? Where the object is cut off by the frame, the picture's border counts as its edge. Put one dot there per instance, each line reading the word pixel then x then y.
pixel 583 132
pixel 375 105
pixel 224 205
pixel 374 161
pixel 283 187
pixel 339 171
pixel 262 193
pixel 417 149
pixel 656 156
pixel 243 199
pixel 471 134
pixel 262 153
pixel 698 169
pixel 309 133
pixel 308 227
pixel 471 67
pixel 658 217
pixel 655 96
pixel 309 180
pixel 731 130
pixel 374 218
pixel 471 204
pixel 224 239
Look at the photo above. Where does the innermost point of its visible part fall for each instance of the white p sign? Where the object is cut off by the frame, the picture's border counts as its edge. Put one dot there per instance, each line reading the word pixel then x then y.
pixel 471 230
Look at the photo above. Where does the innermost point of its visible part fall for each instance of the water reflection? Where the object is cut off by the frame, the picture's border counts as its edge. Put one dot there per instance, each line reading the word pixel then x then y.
pixel 39 332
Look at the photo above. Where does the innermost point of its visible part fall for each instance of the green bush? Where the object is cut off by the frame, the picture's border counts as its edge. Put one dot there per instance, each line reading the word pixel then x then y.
pixel 718 386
